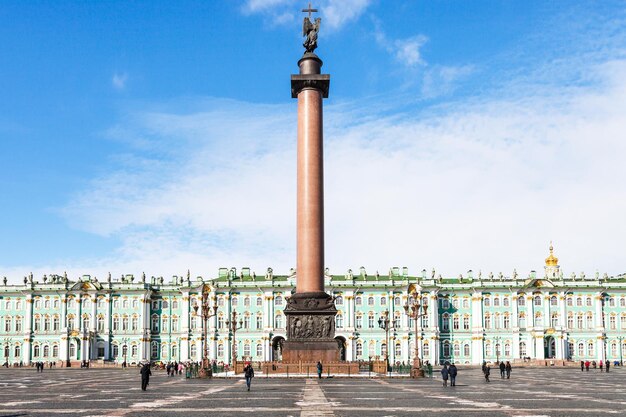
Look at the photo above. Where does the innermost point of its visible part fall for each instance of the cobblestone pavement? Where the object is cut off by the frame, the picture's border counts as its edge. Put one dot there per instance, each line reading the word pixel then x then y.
pixel 115 392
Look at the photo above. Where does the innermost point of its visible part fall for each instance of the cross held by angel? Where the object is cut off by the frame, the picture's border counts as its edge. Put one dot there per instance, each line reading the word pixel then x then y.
pixel 310 30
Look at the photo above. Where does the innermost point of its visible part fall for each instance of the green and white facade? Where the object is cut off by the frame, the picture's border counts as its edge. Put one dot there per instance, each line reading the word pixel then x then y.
pixel 470 318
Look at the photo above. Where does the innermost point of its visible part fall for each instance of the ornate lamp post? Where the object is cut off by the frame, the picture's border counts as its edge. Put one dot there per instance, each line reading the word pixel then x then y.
pixel 416 310
pixel 233 326
pixel 497 347
pixel 207 312
pixel 620 347
pixel 383 323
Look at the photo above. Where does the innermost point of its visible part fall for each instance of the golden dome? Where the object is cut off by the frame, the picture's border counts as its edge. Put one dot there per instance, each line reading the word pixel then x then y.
pixel 552 260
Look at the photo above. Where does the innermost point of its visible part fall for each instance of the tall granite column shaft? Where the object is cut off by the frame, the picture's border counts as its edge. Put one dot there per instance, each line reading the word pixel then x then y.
pixel 310 87
pixel 310 311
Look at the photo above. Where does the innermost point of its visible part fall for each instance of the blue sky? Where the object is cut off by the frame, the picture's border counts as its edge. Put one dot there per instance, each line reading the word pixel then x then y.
pixel 160 136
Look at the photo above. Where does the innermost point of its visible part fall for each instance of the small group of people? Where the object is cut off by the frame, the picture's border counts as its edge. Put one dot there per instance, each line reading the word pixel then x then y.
pixel 584 365
pixel 505 369
pixel 39 365
pixel 174 368
pixel 449 371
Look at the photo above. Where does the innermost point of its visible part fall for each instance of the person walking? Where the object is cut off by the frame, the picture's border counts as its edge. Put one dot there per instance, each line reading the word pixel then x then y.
pixel 508 370
pixel 445 373
pixel 248 372
pixel 601 366
pixel 608 364
pixel 487 372
pixel 319 369
pixel 502 369
pixel 453 372
pixel 582 366
pixel 587 363
pixel 145 376
pixel 484 367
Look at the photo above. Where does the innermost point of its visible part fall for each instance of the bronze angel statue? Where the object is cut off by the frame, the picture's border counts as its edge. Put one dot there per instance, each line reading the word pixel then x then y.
pixel 310 30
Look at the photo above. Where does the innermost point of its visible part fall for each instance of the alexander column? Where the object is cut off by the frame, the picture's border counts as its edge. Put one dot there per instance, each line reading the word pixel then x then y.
pixel 310 311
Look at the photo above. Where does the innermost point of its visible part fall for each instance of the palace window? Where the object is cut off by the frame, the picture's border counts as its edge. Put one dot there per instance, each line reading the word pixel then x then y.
pixel 505 301
pixel 579 321
pixel 588 301
pixel 426 349
pixel 7 325
pixel 116 303
pixel 358 300
pixel 445 304
pixel 466 323
pixel 18 305
pixel 581 349
pixel 465 303
pixel 487 302
pixel 466 350
pixel 135 303
pixel 455 303
pixel 396 320
pixel 164 304
pixel 537 300
pixel 359 349
pixel 446 349
pixel 259 350
pixel 71 323
pixel 397 301
pixel 553 301
pixel 456 350
pixel 370 321
pixel 590 348
pixel 56 325
pixel 445 322
pixel 36 351
pixel 101 303
pixel 521 301
pixel 496 321
pixel 246 322
pixel 259 302
pixel 339 300
pixel 175 324
pixel 383 300
pixel 398 351
pixel 507 349
pixel 570 302
pixel 259 322
pixel 133 350
pixel 507 321
pixel 175 304
pixel 554 320
pixel 220 301
pixel 496 301
pixel 18 324
pixel 193 351
pixel 359 322
pixel 18 351
pixel 154 350
pixel 383 349
pixel 100 324
pixel 220 351
pixel 220 322
pixel 570 321
pixel 612 322
pixel 37 303
pixel 175 351
pixel 488 350
pixel 7 305
pixel 72 350
pixel 46 304
pixel 579 302
pixel 86 322
pixel 339 321
pixel 278 321
pixel 622 302
pixel 163 351
pixel 164 324
pixel 455 322
pixel 522 321
pixel 36 324
pixel 425 322
pixel 522 349
pixel 278 300
pixel 155 324
pixel 124 324
pixel 538 320
pixel 134 323
pixel 487 322
pixel 246 302
pixel 622 321
pixel 370 301
pixel 589 321
pixel 614 349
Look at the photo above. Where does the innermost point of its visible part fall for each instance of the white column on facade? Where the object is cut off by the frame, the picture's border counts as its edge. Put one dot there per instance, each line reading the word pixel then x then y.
pixel 63 311
pixel 146 320
pixel 350 310
pixel 477 328
pixel 530 316
pixel 563 309
pixel 184 322
pixel 538 340
pixel 28 329
pixel 547 311
pixel 598 299
pixel 514 326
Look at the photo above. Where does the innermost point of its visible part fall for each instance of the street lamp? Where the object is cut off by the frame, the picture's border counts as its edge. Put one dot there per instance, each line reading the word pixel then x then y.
pixel 416 310
pixel 383 323
pixel 233 326
pixel 621 349
pixel 207 312
pixel 125 350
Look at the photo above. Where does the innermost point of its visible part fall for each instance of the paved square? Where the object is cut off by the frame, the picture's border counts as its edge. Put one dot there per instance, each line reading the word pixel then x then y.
pixel 115 392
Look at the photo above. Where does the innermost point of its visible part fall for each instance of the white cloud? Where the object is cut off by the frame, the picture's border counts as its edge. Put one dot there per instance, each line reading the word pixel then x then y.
pixel 335 13
pixel 119 80
pixel 406 51
pixel 482 184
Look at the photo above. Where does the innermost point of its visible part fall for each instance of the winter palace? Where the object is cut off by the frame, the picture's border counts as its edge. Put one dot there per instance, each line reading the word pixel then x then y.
pixel 469 318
